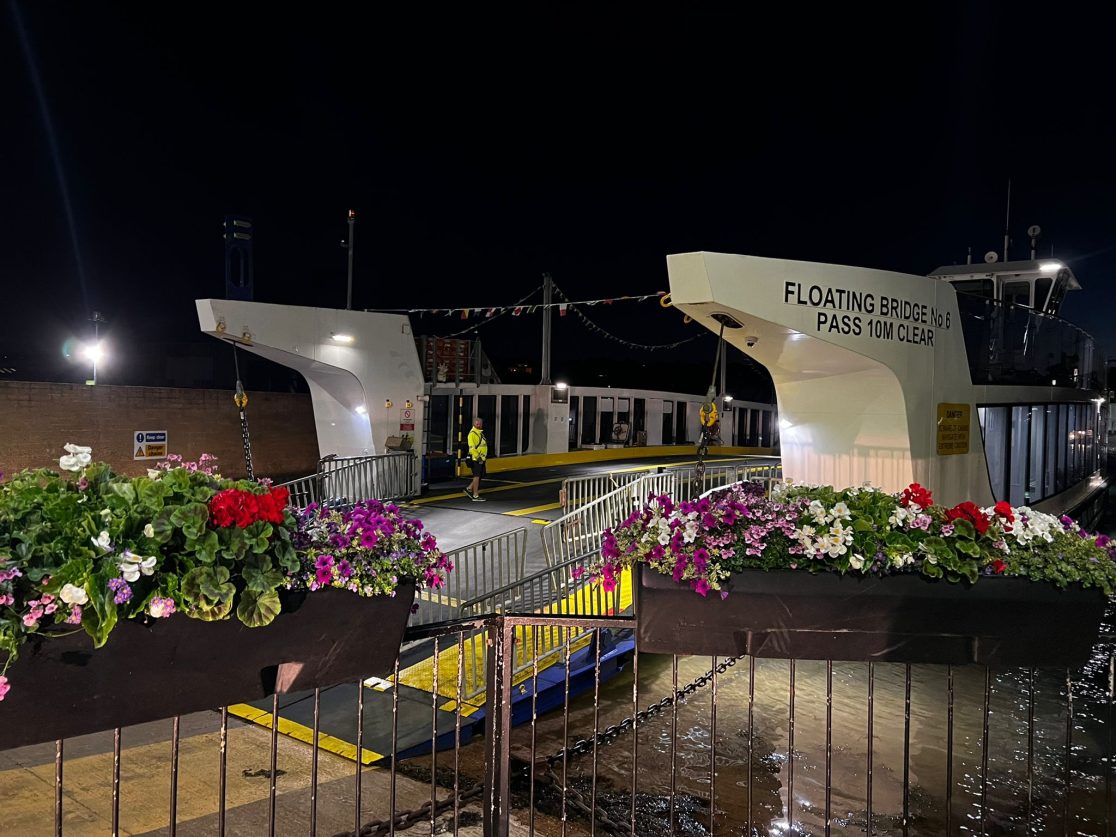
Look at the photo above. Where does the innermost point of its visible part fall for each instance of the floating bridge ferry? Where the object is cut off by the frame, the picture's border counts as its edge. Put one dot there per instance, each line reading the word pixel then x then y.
pixel 967 380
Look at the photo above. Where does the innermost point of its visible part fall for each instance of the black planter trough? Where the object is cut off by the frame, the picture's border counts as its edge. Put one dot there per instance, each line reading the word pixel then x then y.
pixel 791 614
pixel 62 686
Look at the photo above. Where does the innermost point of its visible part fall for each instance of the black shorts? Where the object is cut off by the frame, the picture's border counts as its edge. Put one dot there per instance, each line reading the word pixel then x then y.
pixel 477 467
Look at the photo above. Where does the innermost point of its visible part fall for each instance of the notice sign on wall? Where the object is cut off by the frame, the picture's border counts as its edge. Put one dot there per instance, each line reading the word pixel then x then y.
pixel 150 444
pixel 953 429
pixel 407 421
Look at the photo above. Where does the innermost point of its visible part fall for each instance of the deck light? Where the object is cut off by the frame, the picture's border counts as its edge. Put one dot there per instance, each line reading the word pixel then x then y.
pixel 362 410
pixel 1050 267
pixel 561 385
pixel 342 338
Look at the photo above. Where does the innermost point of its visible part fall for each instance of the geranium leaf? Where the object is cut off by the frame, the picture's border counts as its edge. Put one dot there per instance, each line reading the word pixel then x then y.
pixel 258 609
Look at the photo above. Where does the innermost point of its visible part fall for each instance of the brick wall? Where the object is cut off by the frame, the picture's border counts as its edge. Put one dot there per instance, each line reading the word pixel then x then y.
pixel 37 419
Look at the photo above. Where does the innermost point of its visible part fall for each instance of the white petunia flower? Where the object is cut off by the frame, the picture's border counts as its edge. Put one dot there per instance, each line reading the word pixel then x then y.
pixel 857 562
pixel 73 595
pixel 103 541
pixel 841 511
pixel 149 531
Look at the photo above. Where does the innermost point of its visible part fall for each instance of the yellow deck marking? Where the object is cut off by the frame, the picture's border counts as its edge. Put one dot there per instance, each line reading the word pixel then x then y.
pixel 533 509
pixel 541 522
pixel 306 734
pixel 459 494
pixel 438 598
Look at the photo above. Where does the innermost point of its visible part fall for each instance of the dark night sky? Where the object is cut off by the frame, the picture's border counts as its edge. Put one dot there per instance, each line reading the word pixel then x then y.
pixel 480 153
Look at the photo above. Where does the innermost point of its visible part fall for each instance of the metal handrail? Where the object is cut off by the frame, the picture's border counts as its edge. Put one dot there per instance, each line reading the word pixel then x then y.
pixel 497 561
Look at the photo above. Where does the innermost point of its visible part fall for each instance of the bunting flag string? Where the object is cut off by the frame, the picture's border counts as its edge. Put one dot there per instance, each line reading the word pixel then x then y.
pixel 592 326
pixel 485 311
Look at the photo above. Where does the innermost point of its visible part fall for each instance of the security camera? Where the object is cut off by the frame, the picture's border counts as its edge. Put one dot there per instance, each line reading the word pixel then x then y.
pixel 751 341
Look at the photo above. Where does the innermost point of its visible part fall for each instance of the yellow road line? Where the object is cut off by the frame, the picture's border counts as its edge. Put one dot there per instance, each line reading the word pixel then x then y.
pixel 302 733
pixel 533 509
pixel 450 496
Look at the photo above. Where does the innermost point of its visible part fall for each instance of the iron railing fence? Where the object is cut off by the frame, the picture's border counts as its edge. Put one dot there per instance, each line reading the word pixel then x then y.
pixel 667 745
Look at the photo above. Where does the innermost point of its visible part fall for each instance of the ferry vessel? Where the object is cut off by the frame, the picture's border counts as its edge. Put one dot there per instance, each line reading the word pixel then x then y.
pixel 966 380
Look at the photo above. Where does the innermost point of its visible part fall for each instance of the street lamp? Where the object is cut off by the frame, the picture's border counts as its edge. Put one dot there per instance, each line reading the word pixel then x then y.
pixel 93 353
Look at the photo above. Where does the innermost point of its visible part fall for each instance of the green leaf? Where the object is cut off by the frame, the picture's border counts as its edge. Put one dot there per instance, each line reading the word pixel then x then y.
pixel 932 570
pixel 123 489
pixel 286 556
pixel 258 609
pixel 206 547
pixel 259 575
pixel 967 547
pixel 235 544
pixel 191 519
pixel 963 528
pixel 164 528
pixel 207 593
pixel 150 492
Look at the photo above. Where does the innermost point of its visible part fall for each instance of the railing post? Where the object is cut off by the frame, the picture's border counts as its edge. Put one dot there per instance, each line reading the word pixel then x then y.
pixel 498 706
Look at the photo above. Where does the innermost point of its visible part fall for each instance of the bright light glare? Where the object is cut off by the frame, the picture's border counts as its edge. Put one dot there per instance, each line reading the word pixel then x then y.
pixel 784 424
pixel 94 352
pixel 561 385
pixel 362 410
pixel 343 338
pixel 1050 267
pixel 728 399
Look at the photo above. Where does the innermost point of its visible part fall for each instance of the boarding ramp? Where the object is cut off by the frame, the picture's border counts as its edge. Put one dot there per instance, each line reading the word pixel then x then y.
pixel 564 590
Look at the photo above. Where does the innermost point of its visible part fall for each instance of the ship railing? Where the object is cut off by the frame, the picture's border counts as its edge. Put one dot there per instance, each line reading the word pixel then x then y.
pixel 342 481
pixel 302 491
pixel 671 744
pixel 491 564
pixel 580 529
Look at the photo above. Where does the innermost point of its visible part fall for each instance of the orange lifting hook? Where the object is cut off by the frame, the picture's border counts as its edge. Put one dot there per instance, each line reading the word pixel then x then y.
pixel 665 301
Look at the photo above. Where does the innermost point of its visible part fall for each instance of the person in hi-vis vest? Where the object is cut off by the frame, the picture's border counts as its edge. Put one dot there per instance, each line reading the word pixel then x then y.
pixel 478 455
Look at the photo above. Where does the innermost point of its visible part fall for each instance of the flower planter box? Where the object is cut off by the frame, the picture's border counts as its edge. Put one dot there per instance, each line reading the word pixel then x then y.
pixel 901 618
pixel 173 666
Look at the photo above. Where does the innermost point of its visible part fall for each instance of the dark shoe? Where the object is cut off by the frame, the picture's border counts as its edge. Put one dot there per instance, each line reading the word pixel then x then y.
pixel 476 498
pixel 470 494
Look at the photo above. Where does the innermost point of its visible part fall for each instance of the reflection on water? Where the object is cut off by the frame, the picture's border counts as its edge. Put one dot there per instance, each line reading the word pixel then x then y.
pixel 756 788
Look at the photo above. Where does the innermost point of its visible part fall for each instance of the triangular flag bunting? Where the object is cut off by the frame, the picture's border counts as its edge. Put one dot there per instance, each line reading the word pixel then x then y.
pixel 518 310
pixel 464 313
pixel 562 309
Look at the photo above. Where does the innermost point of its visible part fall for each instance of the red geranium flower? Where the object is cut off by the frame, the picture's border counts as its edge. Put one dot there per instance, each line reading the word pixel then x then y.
pixel 918 495
pixel 998 566
pixel 971 512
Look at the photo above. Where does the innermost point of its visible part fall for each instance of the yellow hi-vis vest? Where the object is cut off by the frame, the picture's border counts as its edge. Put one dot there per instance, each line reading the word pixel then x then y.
pixel 478 445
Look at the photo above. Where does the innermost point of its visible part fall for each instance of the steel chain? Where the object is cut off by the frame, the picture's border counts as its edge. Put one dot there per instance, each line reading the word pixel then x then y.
pixel 247 445
pixel 609 735
pixel 406 819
